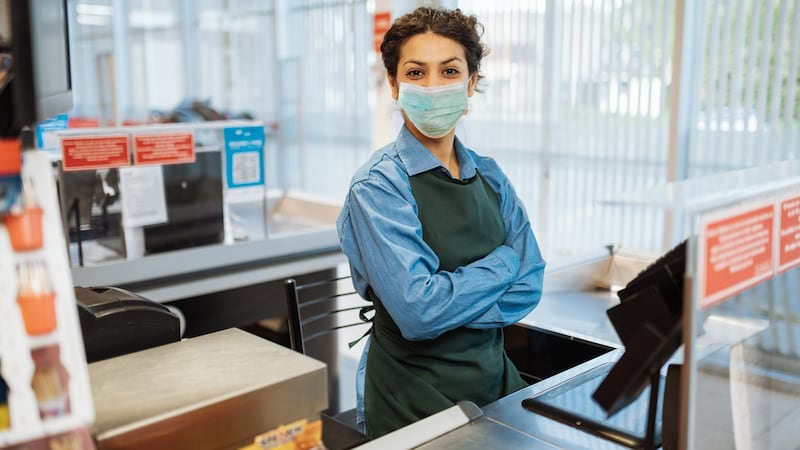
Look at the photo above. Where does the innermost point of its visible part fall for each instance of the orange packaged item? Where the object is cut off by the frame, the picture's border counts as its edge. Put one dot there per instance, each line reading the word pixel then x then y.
pixel 298 435
pixel 25 229
pixel 36 299
pixel 25 225
pixel 10 166
pixel 38 312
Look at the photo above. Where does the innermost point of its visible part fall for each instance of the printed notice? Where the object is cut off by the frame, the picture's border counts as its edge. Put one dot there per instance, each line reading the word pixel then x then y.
pixel 244 150
pixel 94 152
pixel 143 199
pixel 173 148
pixel 244 164
pixel 737 253
pixel 789 239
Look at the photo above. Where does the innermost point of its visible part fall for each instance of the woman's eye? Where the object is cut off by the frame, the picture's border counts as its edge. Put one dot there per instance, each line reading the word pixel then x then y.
pixel 414 73
pixel 451 71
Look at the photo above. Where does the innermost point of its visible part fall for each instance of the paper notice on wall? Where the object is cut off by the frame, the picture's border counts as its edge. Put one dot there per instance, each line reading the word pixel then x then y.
pixel 143 199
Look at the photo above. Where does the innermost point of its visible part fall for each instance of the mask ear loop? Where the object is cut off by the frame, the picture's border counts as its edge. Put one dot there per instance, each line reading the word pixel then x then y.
pixel 469 99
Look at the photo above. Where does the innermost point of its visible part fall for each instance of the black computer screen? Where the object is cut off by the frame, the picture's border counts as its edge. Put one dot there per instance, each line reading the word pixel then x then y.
pixel 195 213
pixel 40 59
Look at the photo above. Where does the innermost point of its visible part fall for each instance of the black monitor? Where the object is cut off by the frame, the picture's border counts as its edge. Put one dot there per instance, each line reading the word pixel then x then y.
pixel 42 84
pixel 648 321
pixel 195 210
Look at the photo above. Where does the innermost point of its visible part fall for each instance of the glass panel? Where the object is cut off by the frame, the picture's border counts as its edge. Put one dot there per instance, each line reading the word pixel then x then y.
pixel 748 389
pixel 298 68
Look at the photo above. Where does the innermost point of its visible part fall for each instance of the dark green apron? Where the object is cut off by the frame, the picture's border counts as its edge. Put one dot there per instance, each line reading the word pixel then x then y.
pixel 410 380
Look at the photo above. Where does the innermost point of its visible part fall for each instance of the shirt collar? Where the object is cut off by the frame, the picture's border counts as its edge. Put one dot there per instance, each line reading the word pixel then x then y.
pixel 417 159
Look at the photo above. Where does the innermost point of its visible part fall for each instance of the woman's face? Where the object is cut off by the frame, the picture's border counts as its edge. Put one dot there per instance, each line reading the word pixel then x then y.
pixel 430 60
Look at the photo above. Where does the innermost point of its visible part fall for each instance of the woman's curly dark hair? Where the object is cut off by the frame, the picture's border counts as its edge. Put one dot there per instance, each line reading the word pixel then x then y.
pixel 452 24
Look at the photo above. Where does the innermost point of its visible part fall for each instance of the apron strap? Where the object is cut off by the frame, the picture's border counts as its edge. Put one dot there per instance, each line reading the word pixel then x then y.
pixel 363 315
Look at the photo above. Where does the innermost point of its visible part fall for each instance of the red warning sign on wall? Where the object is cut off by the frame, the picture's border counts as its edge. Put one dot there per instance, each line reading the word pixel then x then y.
pixel 94 152
pixel 737 253
pixel 172 148
pixel 789 234
pixel 382 21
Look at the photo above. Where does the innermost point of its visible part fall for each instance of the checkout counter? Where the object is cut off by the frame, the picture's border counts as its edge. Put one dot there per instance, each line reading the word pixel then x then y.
pixel 581 344
pixel 228 386
pixel 223 388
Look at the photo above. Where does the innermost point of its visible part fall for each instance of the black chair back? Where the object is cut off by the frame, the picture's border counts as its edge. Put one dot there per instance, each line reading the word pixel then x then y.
pixel 323 315
pixel 322 310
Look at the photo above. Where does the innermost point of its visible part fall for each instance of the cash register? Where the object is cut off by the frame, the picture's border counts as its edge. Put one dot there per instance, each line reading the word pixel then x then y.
pixel 115 322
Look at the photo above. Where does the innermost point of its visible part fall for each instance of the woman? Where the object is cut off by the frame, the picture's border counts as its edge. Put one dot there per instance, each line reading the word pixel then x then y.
pixel 436 238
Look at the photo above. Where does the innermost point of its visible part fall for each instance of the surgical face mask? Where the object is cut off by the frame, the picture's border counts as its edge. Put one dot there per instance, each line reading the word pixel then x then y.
pixel 433 110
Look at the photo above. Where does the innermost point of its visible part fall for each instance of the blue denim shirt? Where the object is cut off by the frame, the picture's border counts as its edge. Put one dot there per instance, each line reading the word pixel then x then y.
pixel 381 236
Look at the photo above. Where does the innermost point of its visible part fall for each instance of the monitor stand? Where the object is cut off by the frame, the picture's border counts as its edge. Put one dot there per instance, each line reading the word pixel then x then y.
pixel 570 403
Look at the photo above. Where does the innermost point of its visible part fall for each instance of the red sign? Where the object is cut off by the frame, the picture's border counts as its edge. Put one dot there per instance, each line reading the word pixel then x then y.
pixel 382 21
pixel 789 238
pixel 163 148
pixel 738 253
pixel 82 122
pixel 94 152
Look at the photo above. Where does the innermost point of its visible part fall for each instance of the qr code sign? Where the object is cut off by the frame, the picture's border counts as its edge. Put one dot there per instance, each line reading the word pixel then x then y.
pixel 246 168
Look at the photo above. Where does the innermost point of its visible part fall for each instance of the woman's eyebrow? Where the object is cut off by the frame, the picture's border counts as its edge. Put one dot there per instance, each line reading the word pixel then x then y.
pixel 415 62
pixel 449 60
pixel 422 63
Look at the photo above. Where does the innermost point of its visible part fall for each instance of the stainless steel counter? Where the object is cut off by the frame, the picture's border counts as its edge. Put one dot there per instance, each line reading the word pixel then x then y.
pixel 504 424
pixel 580 314
pixel 186 273
pixel 578 292
pixel 215 391
pixel 510 412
